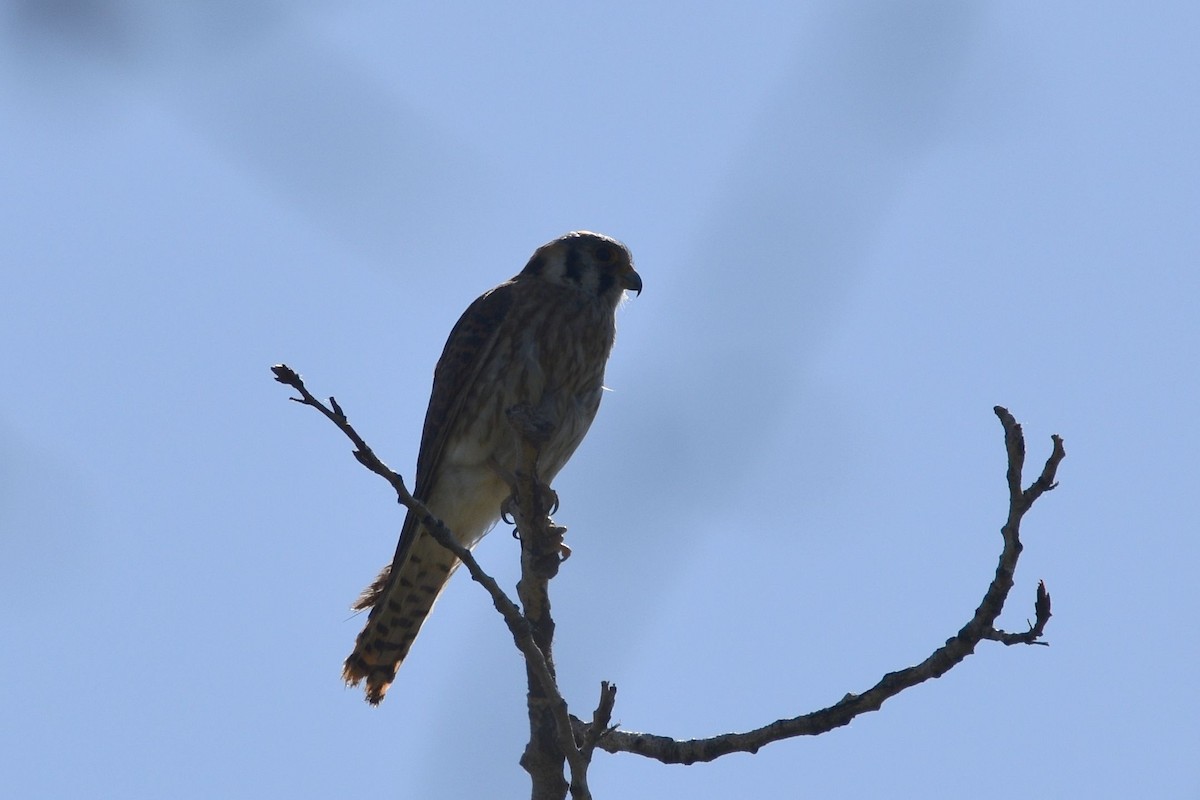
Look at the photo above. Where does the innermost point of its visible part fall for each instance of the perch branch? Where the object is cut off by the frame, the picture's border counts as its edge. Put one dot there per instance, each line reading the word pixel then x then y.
pixel 539 537
pixel 551 738
pixel 366 456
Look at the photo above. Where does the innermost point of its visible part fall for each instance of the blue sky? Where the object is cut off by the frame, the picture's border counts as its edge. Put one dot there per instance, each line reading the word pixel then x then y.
pixel 860 226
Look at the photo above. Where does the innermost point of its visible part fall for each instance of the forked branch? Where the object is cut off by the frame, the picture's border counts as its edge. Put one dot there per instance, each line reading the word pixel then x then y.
pixel 981 626
pixel 558 738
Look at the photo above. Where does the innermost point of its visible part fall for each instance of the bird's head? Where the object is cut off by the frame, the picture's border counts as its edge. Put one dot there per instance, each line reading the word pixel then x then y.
pixel 591 262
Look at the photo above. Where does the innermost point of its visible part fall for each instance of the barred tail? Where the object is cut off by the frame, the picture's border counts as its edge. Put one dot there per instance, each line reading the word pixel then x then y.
pixel 399 605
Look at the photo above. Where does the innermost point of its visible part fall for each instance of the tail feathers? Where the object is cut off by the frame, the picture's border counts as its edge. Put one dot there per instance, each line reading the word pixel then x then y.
pixel 370 595
pixel 398 609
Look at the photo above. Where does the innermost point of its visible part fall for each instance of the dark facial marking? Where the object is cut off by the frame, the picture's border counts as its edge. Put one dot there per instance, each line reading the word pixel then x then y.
pixel 574 263
pixel 605 283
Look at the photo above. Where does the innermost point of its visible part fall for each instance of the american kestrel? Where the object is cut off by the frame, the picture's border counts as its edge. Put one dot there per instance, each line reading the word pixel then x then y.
pixel 541 339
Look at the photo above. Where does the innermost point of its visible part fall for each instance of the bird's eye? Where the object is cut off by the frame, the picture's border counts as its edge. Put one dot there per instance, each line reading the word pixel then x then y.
pixel 603 253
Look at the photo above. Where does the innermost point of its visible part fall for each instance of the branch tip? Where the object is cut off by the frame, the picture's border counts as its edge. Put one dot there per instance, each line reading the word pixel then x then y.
pixel 1041 606
pixel 286 375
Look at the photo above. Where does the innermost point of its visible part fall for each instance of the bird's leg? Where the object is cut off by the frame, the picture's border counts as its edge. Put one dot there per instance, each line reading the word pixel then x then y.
pixel 546 500
pixel 509 508
pixel 530 495
pixel 545 504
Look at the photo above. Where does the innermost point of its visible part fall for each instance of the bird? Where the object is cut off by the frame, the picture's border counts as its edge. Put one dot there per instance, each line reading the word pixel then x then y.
pixel 540 340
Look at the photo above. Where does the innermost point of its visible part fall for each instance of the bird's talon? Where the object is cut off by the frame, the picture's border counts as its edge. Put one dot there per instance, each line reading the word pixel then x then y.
pixel 507 510
pixel 549 499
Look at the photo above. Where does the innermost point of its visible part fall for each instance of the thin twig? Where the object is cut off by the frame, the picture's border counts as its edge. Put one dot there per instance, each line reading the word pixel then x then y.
pixel 1041 611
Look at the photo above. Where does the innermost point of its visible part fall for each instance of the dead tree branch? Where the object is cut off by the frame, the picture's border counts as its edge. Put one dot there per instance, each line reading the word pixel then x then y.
pixel 981 626
pixel 558 739
pixel 552 741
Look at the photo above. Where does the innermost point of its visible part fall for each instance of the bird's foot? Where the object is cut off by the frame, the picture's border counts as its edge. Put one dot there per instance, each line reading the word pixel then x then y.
pixel 509 509
pixel 547 498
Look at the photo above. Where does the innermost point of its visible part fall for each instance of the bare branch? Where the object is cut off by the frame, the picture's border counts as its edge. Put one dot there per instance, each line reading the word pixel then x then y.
pixel 557 738
pixel 551 738
pixel 1041 610
pixel 541 545
pixel 601 720
pixel 956 649
pixel 366 456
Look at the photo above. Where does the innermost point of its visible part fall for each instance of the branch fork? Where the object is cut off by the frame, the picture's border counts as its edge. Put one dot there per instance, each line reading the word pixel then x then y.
pixel 558 738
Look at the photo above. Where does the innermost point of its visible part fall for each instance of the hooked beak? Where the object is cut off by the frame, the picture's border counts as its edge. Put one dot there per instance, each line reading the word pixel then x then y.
pixel 631 280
